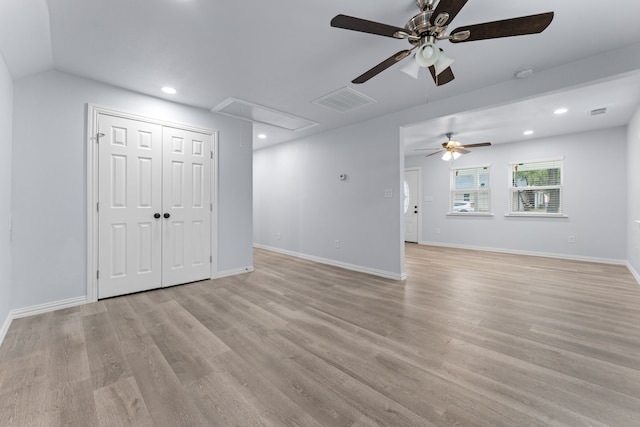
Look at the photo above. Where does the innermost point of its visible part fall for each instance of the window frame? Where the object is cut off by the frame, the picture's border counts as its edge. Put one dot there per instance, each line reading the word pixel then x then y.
pixel 512 189
pixel 484 190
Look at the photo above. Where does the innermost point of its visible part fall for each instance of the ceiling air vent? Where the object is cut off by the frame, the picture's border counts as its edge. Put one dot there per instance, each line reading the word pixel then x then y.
pixel 598 112
pixel 252 112
pixel 344 100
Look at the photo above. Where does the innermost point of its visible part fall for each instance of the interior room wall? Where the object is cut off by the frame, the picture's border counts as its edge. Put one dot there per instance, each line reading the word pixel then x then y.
pixel 301 206
pixel 6 114
pixel 49 181
pixel 633 194
pixel 595 194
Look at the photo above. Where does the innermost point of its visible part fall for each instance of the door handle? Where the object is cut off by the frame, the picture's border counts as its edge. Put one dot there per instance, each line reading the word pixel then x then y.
pixel 156 215
pixel 167 215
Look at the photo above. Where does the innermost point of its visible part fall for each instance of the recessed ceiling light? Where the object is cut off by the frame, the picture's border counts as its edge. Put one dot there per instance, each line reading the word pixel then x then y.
pixel 169 90
pixel 528 132
pixel 262 136
pixel 560 111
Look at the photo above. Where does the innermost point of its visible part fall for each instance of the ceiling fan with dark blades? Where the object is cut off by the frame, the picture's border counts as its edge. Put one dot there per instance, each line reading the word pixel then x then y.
pixel 453 149
pixel 428 27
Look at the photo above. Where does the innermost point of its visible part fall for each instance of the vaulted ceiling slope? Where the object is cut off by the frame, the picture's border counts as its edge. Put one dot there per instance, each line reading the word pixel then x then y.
pixel 283 54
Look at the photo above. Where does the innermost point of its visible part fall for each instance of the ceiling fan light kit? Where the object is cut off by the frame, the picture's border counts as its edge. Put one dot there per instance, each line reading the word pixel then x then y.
pixel 412 68
pixel 427 55
pixel 425 29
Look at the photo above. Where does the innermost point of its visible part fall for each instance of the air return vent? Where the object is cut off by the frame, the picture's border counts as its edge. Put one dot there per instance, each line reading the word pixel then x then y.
pixel 252 112
pixel 598 112
pixel 344 100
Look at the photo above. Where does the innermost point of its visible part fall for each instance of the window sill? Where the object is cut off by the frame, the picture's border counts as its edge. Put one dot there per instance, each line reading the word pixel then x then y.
pixel 534 215
pixel 469 214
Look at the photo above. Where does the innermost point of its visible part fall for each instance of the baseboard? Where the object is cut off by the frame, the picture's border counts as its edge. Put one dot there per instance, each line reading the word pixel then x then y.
pixel 47 307
pixel 634 272
pixel 233 272
pixel 334 263
pixel 529 253
pixel 38 309
pixel 5 328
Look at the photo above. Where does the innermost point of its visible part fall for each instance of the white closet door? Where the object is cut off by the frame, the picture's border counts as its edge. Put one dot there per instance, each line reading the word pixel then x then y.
pixel 186 206
pixel 130 193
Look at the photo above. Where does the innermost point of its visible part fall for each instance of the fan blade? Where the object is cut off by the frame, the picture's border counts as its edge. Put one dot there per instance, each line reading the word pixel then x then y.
pixel 451 7
pixel 443 78
pixel 461 150
pixel 381 66
pixel 371 27
pixel 523 25
pixel 433 154
pixel 480 144
pixel 426 149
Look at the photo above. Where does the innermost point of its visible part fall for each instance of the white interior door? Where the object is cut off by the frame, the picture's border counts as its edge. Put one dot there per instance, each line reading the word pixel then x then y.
pixel 411 205
pixel 154 206
pixel 186 206
pixel 130 193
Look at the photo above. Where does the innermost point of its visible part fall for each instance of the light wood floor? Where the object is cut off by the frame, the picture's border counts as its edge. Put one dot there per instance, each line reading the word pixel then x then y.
pixel 469 339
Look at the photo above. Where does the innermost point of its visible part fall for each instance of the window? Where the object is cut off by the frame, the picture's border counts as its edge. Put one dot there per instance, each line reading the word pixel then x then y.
pixel 470 191
pixel 536 188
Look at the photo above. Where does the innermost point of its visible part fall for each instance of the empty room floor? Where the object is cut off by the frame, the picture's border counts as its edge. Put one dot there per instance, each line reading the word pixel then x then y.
pixel 470 338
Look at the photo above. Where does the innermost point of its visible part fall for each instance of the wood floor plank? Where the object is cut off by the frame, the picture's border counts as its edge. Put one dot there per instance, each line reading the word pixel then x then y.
pixel 121 404
pixel 469 339
pixel 107 362
pixel 163 394
pixel 30 404
pixel 313 397
pixel 76 404
pixel 69 361
pixel 275 407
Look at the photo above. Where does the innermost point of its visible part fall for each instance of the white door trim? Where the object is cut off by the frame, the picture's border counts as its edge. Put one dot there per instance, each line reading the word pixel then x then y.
pixel 93 112
pixel 419 201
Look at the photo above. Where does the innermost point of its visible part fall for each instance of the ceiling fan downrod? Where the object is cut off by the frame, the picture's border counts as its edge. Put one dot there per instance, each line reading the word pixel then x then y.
pixel 423 5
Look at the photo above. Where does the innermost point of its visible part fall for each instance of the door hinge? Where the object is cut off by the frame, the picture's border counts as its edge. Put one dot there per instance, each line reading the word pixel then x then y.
pixel 97 207
pixel 97 274
pixel 211 207
pixel 211 154
pixel 210 258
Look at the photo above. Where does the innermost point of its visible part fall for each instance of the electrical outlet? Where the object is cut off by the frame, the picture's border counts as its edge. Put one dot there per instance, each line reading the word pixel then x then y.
pixel 278 236
pixel 388 193
pixel 438 230
pixel 572 239
pixel 336 243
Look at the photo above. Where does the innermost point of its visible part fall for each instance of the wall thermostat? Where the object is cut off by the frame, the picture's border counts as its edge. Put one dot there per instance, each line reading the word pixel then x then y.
pixel 342 176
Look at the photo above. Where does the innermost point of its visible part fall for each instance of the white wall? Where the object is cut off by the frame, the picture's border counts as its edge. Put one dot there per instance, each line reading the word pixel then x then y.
pixel 633 193
pixel 6 107
pixel 595 196
pixel 298 196
pixel 49 181
pixel 289 198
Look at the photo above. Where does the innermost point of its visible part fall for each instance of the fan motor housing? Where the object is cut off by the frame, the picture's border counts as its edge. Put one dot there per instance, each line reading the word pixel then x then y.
pixel 419 24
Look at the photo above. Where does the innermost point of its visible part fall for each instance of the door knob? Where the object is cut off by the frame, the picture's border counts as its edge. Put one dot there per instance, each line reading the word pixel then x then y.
pixel 156 215
pixel 167 215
